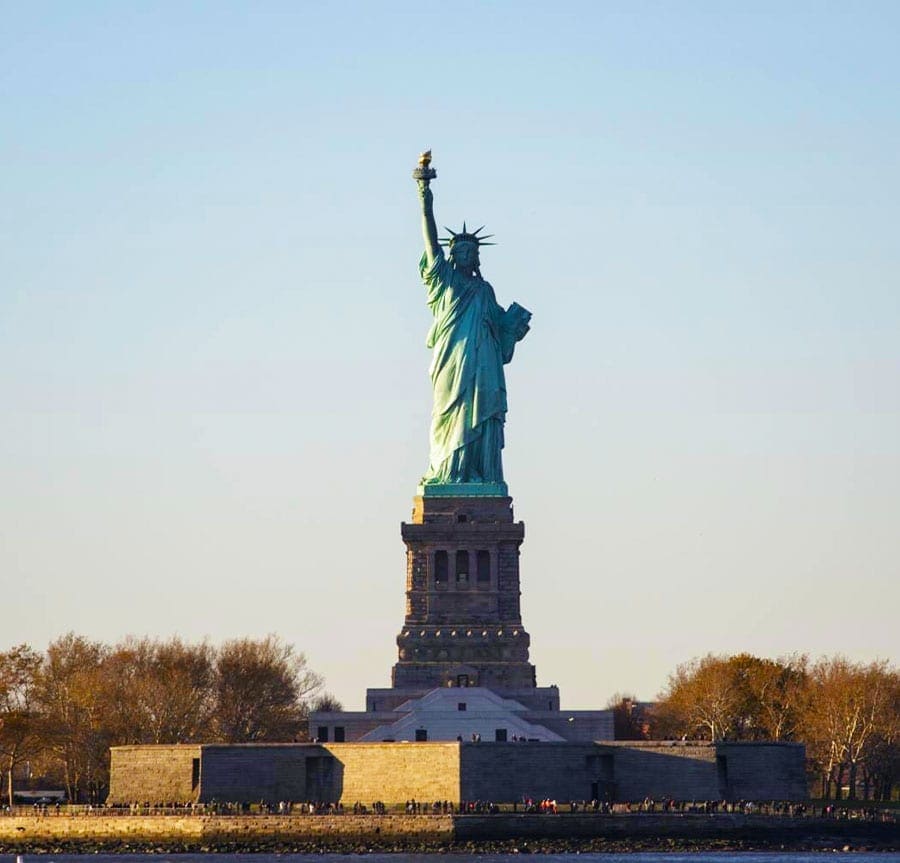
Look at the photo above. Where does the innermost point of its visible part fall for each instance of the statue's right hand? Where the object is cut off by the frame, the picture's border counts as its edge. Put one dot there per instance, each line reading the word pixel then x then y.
pixel 425 193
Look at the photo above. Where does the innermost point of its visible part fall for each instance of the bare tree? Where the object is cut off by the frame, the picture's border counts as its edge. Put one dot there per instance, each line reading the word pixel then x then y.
pixel 325 703
pixel 779 690
pixel 64 709
pixel 262 688
pixel 76 733
pixel 743 697
pixel 20 720
pixel 160 692
pixel 629 721
pixel 850 709
pixel 702 700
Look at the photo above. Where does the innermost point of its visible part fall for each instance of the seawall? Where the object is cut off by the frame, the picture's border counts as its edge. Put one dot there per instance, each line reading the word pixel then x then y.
pixel 216 830
pixel 89 833
pixel 765 828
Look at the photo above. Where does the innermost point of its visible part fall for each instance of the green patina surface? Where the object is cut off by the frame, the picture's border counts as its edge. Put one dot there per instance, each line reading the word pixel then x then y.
pixel 471 339
pixel 463 489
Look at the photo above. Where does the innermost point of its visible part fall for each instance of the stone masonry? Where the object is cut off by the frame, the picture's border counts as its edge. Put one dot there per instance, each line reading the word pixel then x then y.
pixel 164 772
pixel 463 624
pixel 462 630
pixel 502 772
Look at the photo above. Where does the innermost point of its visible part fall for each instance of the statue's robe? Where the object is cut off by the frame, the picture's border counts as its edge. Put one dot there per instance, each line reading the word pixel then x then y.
pixel 471 338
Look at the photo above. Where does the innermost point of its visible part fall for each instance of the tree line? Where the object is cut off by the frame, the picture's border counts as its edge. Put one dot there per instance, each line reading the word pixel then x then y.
pixel 846 713
pixel 61 709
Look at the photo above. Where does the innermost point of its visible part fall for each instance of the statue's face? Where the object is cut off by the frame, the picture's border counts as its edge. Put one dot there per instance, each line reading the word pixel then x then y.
pixel 465 256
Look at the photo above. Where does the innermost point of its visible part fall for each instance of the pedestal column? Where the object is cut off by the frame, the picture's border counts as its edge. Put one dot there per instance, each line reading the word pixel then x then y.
pixel 463 624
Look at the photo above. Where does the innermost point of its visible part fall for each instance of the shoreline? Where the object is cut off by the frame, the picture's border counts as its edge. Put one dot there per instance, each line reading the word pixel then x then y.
pixel 468 848
pixel 448 834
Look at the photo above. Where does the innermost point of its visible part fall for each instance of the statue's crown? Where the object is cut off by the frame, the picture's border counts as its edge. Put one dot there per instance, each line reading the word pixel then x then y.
pixel 465 236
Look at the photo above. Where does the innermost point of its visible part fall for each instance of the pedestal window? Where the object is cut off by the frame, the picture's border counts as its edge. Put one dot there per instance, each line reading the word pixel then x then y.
pixel 462 567
pixel 483 567
pixel 440 568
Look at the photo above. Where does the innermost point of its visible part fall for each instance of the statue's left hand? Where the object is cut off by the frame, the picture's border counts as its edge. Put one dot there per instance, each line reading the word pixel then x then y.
pixel 513 326
pixel 522 321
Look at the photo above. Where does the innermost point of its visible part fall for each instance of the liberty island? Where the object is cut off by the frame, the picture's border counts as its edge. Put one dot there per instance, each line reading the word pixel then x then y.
pixel 464 724
pixel 463 688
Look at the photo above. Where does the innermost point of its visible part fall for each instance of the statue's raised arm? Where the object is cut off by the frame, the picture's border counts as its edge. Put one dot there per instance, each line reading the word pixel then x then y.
pixel 423 175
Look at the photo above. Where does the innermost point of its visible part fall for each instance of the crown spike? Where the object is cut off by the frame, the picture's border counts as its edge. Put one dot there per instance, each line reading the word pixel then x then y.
pixel 466 236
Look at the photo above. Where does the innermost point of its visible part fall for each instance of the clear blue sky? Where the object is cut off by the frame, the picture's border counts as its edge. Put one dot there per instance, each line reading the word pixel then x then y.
pixel 213 380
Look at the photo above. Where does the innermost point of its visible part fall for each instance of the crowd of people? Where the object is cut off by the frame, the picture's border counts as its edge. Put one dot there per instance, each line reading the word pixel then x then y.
pixel 784 808
pixel 438 807
pixel 526 805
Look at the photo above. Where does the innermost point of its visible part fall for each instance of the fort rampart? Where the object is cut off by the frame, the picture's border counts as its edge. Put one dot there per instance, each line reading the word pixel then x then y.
pixel 499 772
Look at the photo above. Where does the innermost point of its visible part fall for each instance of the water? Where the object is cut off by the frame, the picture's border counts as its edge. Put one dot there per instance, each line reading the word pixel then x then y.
pixel 637 857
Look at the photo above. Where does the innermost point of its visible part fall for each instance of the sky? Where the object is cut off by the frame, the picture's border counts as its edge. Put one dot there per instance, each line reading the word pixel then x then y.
pixel 214 400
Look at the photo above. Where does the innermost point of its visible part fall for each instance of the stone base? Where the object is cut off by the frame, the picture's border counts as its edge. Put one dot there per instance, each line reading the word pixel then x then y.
pixel 541 698
pixel 456 510
pixel 495 676
pixel 463 626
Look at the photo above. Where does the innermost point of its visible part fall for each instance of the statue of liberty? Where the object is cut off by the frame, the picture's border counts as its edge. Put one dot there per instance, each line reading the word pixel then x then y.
pixel 471 339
